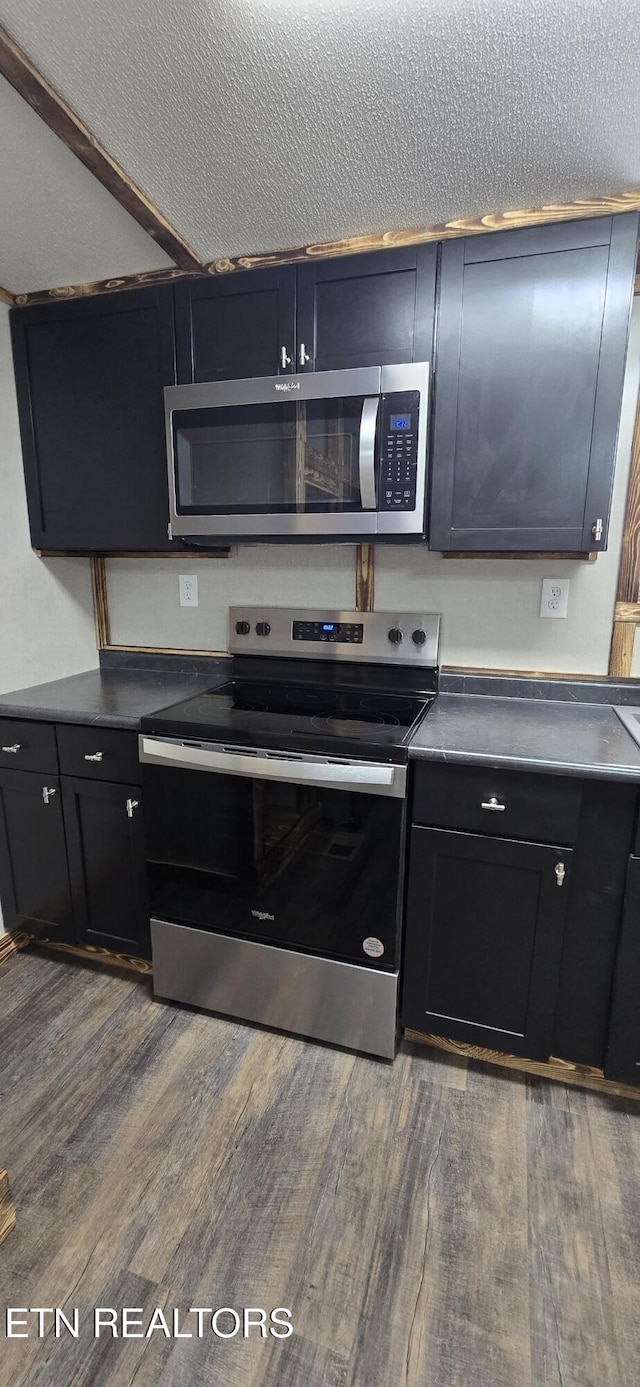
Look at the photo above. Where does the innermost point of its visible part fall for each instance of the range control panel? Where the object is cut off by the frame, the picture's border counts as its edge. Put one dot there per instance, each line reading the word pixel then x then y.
pixel 398 451
pixel 399 638
pixel 346 632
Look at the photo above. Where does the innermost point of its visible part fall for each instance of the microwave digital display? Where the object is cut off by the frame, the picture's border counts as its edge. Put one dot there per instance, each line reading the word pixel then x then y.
pixel 400 421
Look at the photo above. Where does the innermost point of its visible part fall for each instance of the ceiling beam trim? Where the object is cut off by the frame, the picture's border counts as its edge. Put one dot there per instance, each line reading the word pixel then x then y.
pixel 386 240
pixel 36 91
pixel 6 297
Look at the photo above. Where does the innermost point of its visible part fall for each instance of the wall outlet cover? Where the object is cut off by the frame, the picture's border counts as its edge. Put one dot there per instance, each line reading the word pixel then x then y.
pixel 554 597
pixel 188 585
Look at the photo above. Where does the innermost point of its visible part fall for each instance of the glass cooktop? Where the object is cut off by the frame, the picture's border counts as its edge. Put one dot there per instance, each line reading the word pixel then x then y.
pixel 273 715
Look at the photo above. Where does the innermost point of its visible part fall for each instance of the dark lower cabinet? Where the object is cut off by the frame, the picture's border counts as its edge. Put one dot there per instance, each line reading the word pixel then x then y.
pixel 484 927
pixel 105 844
pixel 622 1060
pixel 34 879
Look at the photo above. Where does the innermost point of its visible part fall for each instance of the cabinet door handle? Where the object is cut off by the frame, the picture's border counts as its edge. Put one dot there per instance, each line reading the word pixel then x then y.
pixel 303 357
pixel 285 359
pixel 12 749
pixel 494 804
pixel 560 873
pixel 97 756
pixel 131 805
pixel 47 794
pixel 597 529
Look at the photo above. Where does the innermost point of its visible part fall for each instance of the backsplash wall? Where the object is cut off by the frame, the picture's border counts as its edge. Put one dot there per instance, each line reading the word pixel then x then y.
pixel 489 607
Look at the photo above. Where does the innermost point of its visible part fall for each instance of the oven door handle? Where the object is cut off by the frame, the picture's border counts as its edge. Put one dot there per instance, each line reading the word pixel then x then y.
pixel 365 777
pixel 367 454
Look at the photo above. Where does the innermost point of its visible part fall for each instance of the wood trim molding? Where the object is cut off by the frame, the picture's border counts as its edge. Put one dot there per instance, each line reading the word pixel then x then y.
pixel 365 576
pixel 6 297
pixel 58 116
pixel 100 603
pixel 11 943
pixel 386 240
pixel 562 1071
pixel 7 1210
pixel 628 590
pixel 523 554
pixel 92 954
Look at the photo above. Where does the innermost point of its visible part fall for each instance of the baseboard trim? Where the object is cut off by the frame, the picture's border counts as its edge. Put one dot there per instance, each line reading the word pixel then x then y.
pixel 93 954
pixel 562 1071
pixel 11 942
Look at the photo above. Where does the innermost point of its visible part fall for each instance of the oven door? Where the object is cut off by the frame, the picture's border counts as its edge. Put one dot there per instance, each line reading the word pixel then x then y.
pixel 301 852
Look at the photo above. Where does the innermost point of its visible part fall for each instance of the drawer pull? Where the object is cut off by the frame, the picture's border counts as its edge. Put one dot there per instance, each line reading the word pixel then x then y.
pixel 560 873
pixel 97 756
pixel 47 794
pixel 12 749
pixel 494 804
pixel 131 805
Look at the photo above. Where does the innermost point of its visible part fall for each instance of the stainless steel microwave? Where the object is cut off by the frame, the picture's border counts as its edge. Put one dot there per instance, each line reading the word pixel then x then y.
pixel 331 454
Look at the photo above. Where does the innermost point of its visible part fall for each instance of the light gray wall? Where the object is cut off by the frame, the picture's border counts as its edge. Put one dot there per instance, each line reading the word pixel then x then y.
pixel 489 607
pixel 46 614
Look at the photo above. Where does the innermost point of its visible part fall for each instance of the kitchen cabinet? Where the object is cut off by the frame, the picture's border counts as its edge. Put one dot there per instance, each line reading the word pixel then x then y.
pixel 531 350
pixel 90 376
pixel 622 1061
pixel 107 868
pixel 485 920
pixel 34 880
pixel 350 311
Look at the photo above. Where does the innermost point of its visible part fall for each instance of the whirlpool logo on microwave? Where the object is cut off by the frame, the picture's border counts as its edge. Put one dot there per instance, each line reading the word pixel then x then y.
pixel 287 385
pixel 262 915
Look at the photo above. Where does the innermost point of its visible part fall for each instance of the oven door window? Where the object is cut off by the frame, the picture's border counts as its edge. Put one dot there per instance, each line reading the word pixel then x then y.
pixel 276 458
pixel 308 868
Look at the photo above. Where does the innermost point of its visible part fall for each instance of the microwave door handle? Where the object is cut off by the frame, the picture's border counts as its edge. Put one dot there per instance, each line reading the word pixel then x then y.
pixel 367 455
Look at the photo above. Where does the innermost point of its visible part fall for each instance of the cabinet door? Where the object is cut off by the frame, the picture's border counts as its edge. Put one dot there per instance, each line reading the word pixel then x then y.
pixel 531 349
pixel 105 842
pixel 90 376
pixel 622 1060
pixel 484 928
pixel 34 880
pixel 235 327
pixel 367 310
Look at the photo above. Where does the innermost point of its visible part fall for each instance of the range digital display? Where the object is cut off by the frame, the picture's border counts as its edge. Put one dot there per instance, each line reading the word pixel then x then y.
pixel 400 421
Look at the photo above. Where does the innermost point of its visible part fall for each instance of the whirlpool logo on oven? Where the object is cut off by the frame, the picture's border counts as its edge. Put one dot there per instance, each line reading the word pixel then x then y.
pixel 288 385
pixel 262 915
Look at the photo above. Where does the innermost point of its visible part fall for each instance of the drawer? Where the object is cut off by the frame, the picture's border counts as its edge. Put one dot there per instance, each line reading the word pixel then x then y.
pixel 28 746
pixel 542 808
pixel 99 753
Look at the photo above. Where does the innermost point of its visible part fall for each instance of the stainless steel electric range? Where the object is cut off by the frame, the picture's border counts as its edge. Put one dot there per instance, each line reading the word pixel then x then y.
pixel 275 813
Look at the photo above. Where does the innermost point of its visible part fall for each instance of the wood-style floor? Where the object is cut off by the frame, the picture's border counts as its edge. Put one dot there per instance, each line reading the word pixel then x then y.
pixel 429 1223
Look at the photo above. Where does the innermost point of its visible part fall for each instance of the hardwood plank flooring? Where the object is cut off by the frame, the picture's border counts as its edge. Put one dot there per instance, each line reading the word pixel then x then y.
pixel 431 1223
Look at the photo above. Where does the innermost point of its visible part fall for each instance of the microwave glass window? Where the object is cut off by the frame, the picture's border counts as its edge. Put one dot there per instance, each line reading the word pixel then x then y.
pixel 295 456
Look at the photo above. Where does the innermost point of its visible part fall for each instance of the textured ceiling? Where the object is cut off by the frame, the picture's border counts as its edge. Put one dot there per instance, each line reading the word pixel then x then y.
pixel 260 124
pixel 58 225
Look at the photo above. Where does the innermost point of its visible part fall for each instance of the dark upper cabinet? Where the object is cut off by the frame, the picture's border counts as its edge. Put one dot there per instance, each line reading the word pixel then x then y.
pixel 366 310
pixel 105 843
pixel 484 927
pixel 90 377
pixel 531 350
pixel 34 880
pixel 622 1060
pixel 235 327
pixel 357 310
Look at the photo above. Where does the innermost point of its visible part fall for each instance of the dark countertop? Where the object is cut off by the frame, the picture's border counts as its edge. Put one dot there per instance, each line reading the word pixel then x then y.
pixel 109 697
pixel 559 738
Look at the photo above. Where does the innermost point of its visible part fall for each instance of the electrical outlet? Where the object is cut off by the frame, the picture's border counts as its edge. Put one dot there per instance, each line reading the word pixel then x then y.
pixel 554 597
pixel 188 585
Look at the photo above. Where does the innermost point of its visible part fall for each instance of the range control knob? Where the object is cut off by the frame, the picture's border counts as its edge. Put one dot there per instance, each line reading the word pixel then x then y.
pixel 419 637
pixel 262 628
pixel 395 635
pixel 242 628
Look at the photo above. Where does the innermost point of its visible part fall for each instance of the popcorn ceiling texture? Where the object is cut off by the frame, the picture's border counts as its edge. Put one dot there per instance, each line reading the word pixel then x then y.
pixel 260 124
pixel 58 225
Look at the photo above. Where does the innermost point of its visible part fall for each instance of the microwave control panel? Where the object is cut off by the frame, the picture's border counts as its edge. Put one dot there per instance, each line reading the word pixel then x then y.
pixel 398 451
